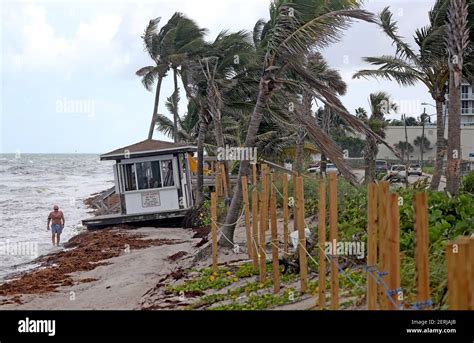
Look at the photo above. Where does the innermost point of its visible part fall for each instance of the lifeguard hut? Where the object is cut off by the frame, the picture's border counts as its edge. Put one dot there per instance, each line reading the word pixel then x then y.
pixel 153 180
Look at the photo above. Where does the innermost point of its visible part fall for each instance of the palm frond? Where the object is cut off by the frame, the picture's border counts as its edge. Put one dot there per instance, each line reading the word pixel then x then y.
pixel 149 36
pixel 403 78
pixel 390 28
pixel 308 29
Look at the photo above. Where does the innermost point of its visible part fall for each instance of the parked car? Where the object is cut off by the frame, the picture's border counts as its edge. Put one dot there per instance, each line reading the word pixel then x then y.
pixel 397 171
pixel 330 168
pixel 415 169
pixel 381 166
pixel 313 170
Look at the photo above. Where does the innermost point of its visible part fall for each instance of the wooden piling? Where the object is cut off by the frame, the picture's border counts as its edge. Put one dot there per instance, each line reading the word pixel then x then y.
pixel 333 236
pixel 383 228
pixel 301 235
pixel 322 245
pixel 217 180
pixel 458 285
pixel 285 212
pixel 254 174
pixel 372 246
pixel 471 272
pixel 393 253
pixel 263 223
pixel 421 248
pixel 266 190
pixel 214 230
pixel 274 232
pixel 224 178
pixel 255 252
pixel 248 236
pixel 295 222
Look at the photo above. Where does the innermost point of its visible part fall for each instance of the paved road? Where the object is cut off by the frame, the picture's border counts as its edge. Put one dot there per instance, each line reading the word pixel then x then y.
pixel 411 179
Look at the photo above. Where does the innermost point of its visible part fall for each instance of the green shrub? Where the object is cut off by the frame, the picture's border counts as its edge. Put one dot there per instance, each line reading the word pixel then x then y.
pixel 468 183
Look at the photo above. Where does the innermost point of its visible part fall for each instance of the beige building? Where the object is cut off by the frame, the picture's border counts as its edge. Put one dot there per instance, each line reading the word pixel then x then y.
pixel 395 134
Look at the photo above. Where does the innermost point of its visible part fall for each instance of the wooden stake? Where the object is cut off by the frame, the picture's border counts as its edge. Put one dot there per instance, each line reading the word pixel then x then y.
pixel 255 252
pixel 266 189
pixel 372 246
pixel 261 243
pixel 463 274
pixel 224 181
pixel 254 172
pixel 333 238
pixel 214 230
pixel 471 272
pixel 285 213
pixel 456 256
pixel 393 253
pixel 295 222
pixel 245 195
pixel 421 247
pixel 217 181
pixel 383 228
pixel 322 244
pixel 275 262
pixel 263 223
pixel 301 234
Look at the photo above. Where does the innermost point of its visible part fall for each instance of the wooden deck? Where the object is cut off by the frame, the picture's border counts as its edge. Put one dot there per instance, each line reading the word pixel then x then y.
pixel 115 219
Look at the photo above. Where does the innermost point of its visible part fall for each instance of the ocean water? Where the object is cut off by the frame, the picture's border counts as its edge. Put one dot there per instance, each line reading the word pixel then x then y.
pixel 30 185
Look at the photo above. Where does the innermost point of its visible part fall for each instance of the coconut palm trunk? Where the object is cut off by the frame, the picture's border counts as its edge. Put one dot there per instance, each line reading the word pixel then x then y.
pixel 440 146
pixel 255 120
pixel 175 104
pixel 370 154
pixel 155 108
pixel 457 42
pixel 200 162
pixel 454 138
pixel 299 154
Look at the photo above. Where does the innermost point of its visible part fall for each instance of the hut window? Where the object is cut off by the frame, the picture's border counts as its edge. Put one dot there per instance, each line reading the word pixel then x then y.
pixel 167 172
pixel 129 177
pixel 148 175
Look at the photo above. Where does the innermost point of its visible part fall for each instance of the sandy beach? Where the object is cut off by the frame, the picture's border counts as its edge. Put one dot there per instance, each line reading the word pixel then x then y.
pixel 118 282
pixel 125 268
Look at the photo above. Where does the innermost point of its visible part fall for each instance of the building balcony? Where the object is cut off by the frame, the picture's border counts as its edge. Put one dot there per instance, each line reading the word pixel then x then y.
pixel 467 111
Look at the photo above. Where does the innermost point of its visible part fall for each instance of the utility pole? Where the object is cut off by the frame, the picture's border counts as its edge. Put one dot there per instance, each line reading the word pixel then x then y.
pixel 422 146
pixel 406 149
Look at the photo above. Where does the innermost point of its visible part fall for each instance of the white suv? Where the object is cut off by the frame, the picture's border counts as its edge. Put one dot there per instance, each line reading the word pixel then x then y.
pixel 415 169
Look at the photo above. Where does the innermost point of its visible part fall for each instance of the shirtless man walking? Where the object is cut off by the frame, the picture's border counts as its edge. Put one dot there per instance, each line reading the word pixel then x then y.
pixel 57 223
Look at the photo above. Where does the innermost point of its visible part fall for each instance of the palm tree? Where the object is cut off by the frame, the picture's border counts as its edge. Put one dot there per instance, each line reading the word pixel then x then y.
pixel 405 148
pixel 316 65
pixel 457 41
pixel 222 62
pixel 295 28
pixel 149 74
pixel 183 40
pixel 423 143
pixel 380 105
pixel 428 65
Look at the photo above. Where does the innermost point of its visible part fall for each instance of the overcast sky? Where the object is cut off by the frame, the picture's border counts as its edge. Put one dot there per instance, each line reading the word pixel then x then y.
pixel 68 79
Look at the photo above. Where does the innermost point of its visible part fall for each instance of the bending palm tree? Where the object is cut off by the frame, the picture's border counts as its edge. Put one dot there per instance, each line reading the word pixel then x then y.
pixel 158 71
pixel 182 41
pixel 295 28
pixel 428 66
